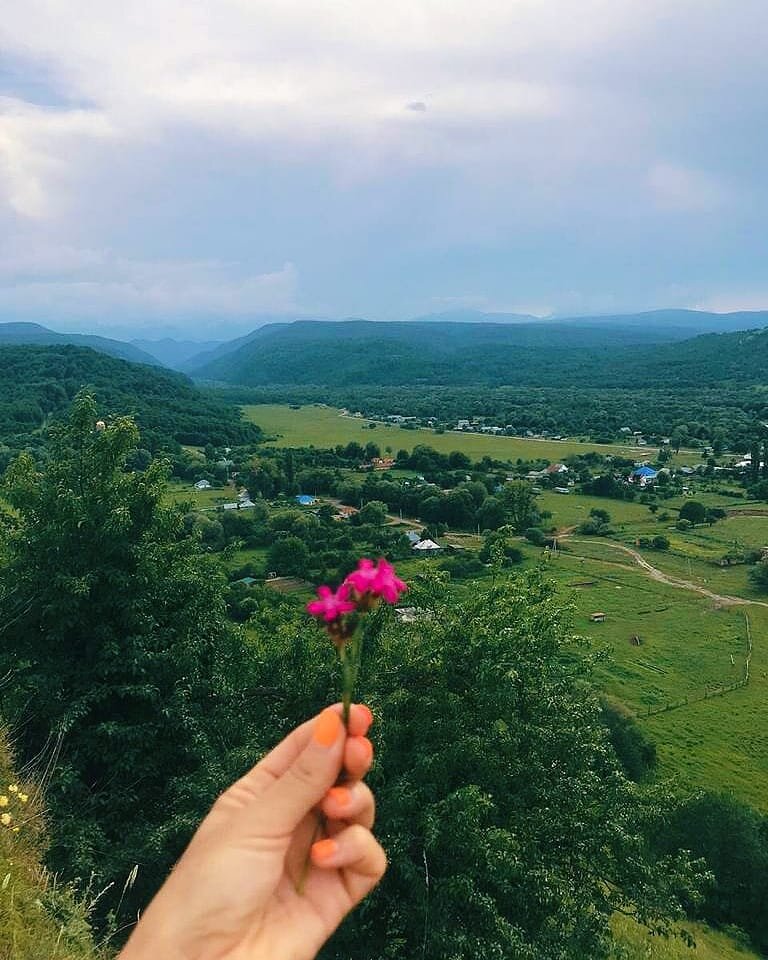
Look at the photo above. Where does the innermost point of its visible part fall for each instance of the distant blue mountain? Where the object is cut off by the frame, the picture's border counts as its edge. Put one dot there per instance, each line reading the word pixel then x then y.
pixel 175 353
pixel 34 333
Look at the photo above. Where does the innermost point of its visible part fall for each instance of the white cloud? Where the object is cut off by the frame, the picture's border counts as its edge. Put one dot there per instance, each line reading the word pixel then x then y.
pixel 75 282
pixel 34 146
pixel 328 76
pixel 683 189
pixel 734 302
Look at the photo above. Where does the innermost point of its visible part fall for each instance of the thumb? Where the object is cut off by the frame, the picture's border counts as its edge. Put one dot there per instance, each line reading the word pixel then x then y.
pixel 307 780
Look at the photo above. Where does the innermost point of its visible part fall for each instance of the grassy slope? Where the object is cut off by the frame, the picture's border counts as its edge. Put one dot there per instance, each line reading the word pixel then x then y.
pixel 323 427
pixel 39 918
pixel 710 944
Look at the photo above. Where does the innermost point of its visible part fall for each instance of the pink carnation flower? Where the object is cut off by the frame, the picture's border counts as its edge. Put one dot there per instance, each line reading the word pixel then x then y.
pixel 379 580
pixel 387 584
pixel 363 579
pixel 330 606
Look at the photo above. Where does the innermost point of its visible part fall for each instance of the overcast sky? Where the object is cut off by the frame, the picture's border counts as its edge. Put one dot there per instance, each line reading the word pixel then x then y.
pixel 168 165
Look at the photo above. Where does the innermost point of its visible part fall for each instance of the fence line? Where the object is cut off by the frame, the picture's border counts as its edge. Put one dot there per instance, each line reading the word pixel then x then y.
pixel 709 692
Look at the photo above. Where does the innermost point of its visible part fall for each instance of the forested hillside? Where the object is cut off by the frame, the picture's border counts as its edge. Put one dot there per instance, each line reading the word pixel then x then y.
pixel 400 353
pixel 465 354
pixel 37 383
pixel 34 333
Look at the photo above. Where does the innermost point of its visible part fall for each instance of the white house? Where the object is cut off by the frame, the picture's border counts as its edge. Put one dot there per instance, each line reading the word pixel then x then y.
pixel 203 485
pixel 427 546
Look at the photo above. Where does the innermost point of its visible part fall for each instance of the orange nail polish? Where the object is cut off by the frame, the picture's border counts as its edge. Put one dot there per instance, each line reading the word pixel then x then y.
pixel 367 746
pixel 368 715
pixel 324 849
pixel 340 796
pixel 327 728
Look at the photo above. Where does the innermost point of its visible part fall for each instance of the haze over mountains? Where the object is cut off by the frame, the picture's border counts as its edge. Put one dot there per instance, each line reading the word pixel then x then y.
pixel 461 347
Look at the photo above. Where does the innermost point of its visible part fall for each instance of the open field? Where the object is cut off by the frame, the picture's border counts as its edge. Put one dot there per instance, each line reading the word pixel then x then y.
pixel 324 427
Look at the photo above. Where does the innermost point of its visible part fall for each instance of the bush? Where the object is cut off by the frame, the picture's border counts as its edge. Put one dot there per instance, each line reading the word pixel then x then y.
pixel 660 542
pixel 733 840
pixel 535 535
pixel 636 752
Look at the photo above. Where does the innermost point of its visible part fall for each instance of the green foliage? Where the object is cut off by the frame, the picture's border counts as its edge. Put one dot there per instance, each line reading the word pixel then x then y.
pixel 518 500
pixel 120 662
pixel 636 752
pixel 759 575
pixel 733 840
pixel 693 511
pixel 510 829
pixel 39 382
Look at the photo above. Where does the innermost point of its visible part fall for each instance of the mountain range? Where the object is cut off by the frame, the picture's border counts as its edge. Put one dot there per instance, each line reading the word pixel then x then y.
pixel 463 347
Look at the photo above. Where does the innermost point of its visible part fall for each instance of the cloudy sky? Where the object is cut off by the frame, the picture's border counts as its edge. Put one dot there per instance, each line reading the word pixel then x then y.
pixel 176 166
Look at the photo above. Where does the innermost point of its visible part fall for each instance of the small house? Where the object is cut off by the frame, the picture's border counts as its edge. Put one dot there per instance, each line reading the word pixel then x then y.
pixel 643 476
pixel 413 536
pixel 305 500
pixel 597 618
pixel 203 485
pixel 427 547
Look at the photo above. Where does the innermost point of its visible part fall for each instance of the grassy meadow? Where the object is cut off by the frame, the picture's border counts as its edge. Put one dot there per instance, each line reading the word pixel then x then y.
pixel 325 427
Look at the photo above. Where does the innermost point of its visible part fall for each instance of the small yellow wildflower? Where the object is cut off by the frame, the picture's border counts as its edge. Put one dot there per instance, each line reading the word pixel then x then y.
pixel 23 797
pixel 14 788
pixel 3 801
pixel 16 829
pixel 5 819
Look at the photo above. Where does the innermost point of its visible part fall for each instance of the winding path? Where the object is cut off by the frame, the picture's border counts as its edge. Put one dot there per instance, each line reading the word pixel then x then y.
pixel 655 574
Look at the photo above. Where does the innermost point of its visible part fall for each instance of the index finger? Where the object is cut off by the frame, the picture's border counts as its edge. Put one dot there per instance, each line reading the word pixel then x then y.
pixel 277 761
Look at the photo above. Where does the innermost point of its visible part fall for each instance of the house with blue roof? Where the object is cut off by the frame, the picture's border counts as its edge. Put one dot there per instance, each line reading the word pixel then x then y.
pixel 643 476
pixel 305 500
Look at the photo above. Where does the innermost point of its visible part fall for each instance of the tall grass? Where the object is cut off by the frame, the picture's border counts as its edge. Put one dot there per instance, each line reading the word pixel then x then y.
pixel 40 918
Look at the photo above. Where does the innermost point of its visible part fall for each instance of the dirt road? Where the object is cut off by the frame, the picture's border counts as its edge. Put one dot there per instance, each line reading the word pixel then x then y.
pixel 655 574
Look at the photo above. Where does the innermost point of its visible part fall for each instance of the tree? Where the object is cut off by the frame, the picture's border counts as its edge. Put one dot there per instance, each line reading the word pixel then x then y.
pixel 518 499
pixel 759 575
pixel 693 511
pixel 491 514
pixel 374 512
pixel 733 840
pixel 679 437
pixel 118 657
pixel 288 556
pixel 519 843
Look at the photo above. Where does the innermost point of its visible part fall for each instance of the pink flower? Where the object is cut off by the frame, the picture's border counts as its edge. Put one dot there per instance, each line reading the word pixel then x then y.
pixel 379 580
pixel 330 606
pixel 387 584
pixel 363 579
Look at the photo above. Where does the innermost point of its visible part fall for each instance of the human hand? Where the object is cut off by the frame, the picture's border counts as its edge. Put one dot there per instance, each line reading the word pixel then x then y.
pixel 234 894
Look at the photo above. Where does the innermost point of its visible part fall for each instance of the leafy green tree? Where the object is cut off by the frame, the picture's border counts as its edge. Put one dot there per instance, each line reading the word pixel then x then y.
pixel 510 828
pixel 733 840
pixel 288 556
pixel 374 512
pixel 759 575
pixel 117 654
pixel 492 514
pixel 679 437
pixel 518 499
pixel 693 511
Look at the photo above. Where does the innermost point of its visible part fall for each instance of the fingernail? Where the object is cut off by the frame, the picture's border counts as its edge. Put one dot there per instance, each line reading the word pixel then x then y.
pixel 340 796
pixel 368 714
pixel 327 728
pixel 324 849
pixel 366 744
